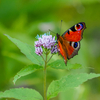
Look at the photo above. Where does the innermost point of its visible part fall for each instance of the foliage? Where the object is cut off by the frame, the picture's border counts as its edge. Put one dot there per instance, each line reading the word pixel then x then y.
pixel 21 94
pixel 28 50
pixel 68 82
pixel 27 70
pixel 54 88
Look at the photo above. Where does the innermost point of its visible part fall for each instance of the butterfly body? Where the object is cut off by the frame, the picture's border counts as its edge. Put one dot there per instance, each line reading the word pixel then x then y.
pixel 69 42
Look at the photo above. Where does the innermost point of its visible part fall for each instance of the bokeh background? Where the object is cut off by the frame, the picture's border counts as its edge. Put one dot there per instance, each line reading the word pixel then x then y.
pixel 24 19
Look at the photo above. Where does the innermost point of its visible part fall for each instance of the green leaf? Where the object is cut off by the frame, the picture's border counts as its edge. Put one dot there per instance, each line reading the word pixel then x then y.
pixel 59 64
pixel 67 82
pixel 27 70
pixel 21 94
pixel 28 50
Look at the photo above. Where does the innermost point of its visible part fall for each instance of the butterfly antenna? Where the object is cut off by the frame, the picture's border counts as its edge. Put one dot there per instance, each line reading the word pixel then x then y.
pixel 60 27
pixel 52 31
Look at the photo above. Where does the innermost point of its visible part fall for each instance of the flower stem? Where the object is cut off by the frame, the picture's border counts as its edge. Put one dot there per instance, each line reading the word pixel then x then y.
pixel 42 57
pixel 45 91
pixel 50 58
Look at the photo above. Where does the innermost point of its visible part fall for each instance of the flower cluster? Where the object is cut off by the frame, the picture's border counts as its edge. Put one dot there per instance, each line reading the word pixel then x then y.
pixel 45 41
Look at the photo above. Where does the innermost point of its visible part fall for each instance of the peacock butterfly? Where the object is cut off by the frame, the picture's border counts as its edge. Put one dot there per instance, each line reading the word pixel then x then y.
pixel 69 43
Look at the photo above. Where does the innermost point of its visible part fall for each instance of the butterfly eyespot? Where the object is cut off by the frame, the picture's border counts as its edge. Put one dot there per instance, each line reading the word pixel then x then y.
pixel 75 45
pixel 78 27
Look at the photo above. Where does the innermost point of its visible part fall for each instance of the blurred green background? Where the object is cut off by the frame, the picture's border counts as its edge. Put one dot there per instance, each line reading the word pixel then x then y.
pixel 24 19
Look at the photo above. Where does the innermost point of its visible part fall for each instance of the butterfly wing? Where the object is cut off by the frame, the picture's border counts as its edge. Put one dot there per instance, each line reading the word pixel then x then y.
pixel 67 49
pixel 75 32
pixel 62 47
pixel 69 42
pixel 72 49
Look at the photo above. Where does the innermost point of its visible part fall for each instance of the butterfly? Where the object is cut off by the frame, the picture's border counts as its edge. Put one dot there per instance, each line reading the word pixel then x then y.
pixel 69 42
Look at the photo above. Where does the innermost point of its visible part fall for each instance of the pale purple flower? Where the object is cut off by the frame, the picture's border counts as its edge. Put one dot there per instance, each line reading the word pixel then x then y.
pixel 46 41
pixel 54 49
pixel 39 51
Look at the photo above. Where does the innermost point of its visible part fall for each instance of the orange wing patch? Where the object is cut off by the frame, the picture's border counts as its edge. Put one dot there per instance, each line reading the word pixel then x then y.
pixel 62 48
pixel 74 36
pixel 70 50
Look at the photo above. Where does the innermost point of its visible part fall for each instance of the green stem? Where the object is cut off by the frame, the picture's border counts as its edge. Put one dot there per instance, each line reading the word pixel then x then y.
pixel 45 91
pixel 50 58
pixel 42 57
